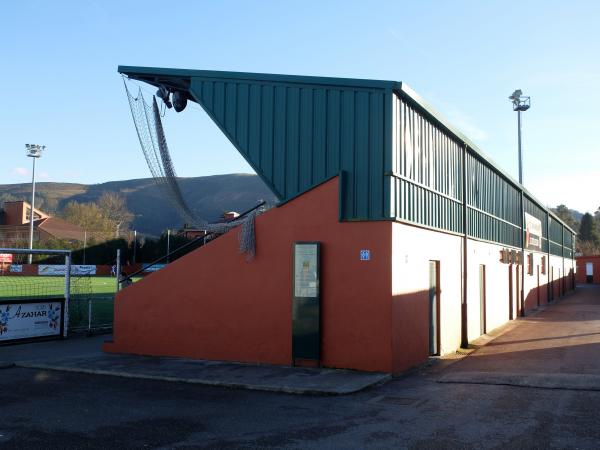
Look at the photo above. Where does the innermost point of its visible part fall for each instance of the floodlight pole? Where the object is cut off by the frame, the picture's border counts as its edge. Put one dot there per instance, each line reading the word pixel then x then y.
pixel 521 103
pixel 520 149
pixel 34 152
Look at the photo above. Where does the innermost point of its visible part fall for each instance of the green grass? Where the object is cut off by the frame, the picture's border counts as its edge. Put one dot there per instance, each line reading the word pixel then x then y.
pixel 97 292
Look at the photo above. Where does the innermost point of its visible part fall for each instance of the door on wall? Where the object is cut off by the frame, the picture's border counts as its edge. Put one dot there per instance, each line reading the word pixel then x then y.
pixel 551 284
pixel 434 308
pixel 538 285
pixel 510 292
pixel 518 290
pixel 589 272
pixel 482 324
pixel 306 304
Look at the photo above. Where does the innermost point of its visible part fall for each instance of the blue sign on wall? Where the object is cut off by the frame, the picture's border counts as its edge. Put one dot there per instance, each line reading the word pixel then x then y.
pixel 365 255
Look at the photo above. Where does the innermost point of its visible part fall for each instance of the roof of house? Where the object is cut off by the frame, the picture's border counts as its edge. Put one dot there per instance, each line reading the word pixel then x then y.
pixel 60 228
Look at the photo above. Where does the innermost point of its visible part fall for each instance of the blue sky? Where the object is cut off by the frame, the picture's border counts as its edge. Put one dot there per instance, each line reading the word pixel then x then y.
pixel 61 87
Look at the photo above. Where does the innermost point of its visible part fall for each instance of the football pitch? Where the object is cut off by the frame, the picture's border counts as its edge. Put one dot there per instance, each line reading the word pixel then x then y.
pixel 88 294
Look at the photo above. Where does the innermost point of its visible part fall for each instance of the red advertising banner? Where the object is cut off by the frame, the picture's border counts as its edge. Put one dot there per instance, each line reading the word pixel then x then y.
pixel 6 258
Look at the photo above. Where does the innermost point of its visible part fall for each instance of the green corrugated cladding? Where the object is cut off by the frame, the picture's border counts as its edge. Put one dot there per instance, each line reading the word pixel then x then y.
pixel 399 159
pixel 296 136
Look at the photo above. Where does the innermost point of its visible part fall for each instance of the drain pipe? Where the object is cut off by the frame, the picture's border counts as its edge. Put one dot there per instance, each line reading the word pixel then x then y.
pixel 464 335
pixel 522 312
pixel 549 293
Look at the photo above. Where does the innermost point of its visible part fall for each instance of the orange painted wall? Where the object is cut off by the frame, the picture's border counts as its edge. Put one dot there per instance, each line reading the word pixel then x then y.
pixel 213 304
pixel 581 273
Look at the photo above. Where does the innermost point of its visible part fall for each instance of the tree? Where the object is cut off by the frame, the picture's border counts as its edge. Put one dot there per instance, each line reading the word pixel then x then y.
pixel 564 214
pixel 88 216
pixel 114 209
pixel 588 230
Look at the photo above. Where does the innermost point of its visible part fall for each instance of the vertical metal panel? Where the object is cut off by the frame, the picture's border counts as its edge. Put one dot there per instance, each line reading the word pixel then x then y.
pixel 296 135
pixel 556 237
pixel 426 172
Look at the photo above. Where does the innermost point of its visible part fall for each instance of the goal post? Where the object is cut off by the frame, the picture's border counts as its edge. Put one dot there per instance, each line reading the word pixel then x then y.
pixel 32 306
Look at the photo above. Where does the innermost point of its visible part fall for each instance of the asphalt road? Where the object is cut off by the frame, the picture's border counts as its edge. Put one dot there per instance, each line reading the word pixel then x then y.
pixel 59 410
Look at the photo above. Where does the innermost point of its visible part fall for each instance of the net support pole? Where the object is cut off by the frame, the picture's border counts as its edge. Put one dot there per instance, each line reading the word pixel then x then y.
pixel 118 270
pixel 89 315
pixel 67 294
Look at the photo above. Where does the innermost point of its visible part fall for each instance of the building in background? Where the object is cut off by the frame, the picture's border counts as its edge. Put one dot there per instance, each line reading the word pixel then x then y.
pixel 396 237
pixel 14 225
pixel 588 269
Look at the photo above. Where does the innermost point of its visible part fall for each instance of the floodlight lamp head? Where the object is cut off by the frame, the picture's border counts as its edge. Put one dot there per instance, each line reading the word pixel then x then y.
pixel 520 102
pixel 516 95
pixel 34 150
pixel 179 101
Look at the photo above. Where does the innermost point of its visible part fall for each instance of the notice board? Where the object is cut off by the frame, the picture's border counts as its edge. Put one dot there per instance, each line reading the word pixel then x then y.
pixel 306 301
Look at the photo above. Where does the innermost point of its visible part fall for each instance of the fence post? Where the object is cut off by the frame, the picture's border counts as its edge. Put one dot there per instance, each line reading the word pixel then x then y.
pixel 118 270
pixel 67 293
pixel 89 315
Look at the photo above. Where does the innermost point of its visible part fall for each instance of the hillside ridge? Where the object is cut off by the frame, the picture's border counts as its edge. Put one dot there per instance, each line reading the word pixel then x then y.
pixel 208 196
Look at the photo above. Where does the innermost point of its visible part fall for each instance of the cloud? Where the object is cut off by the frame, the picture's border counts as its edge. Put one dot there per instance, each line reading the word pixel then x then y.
pixel 20 172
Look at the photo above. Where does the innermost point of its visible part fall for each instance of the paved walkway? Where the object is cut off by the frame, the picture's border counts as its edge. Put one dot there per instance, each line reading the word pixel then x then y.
pixel 84 355
pixel 556 347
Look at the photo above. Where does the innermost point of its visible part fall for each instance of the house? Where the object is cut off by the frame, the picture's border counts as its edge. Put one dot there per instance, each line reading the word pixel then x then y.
pixel 15 225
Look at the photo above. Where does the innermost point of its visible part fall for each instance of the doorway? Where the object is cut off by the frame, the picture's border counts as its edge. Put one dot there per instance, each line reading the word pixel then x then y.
pixel 538 289
pixel 482 312
pixel 589 272
pixel 510 292
pixel 551 283
pixel 434 308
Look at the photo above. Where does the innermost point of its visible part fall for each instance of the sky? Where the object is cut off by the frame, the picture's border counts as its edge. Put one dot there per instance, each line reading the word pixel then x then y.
pixel 61 87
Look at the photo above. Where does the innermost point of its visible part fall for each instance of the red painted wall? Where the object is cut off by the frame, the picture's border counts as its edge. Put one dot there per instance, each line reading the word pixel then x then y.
pixel 213 304
pixel 580 275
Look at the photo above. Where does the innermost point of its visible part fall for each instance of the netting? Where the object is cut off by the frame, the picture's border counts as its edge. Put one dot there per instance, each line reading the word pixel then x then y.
pixel 148 124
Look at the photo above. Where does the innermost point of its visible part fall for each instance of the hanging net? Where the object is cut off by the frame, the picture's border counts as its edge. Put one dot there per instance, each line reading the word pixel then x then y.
pixel 148 124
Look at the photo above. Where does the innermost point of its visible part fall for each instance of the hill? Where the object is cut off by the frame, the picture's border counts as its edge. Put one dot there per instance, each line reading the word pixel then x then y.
pixel 208 196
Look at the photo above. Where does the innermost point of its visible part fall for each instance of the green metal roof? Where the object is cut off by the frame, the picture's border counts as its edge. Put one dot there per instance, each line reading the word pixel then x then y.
pixel 203 86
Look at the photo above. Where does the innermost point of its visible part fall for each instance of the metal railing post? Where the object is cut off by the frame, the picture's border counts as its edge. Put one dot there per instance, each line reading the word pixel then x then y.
pixel 67 293
pixel 118 270
pixel 89 315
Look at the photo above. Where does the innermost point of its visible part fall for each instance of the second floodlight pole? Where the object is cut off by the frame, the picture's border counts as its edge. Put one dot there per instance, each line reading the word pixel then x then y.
pixel 34 151
pixel 31 213
pixel 520 149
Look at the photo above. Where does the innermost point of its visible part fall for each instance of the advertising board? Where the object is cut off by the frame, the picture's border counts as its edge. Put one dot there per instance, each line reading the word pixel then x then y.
pixel 30 319
pixel 60 269
pixel 533 233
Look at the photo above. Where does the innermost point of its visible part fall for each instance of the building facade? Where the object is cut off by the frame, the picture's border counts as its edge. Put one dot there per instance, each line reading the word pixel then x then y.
pixel 425 244
pixel 588 269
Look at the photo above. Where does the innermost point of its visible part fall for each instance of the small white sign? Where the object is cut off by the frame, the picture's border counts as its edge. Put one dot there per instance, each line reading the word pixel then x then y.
pixel 365 255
